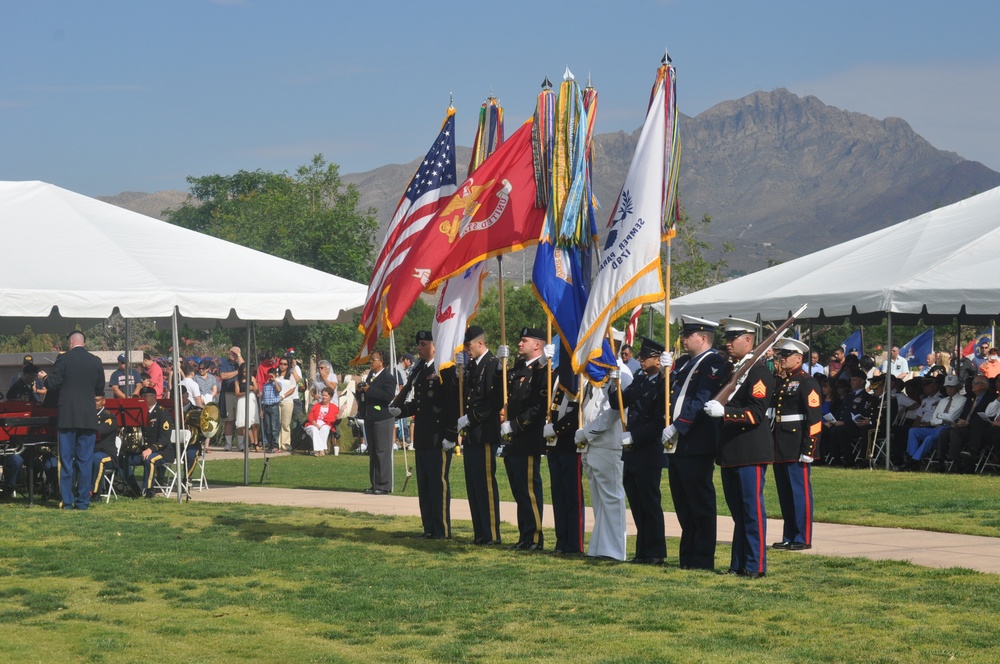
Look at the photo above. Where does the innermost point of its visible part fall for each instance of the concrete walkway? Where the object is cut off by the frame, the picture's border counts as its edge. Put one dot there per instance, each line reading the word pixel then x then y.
pixel 930 549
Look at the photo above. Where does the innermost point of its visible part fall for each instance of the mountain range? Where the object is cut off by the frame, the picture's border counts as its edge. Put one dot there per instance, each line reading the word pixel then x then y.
pixel 780 175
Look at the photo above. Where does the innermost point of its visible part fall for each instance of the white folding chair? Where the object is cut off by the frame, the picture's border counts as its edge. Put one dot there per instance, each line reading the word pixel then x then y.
pixel 170 469
pixel 197 479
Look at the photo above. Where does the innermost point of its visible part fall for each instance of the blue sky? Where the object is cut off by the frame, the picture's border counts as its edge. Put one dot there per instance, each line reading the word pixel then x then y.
pixel 103 97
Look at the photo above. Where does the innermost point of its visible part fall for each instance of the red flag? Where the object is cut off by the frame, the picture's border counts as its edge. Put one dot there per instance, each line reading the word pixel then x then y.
pixel 633 322
pixel 492 213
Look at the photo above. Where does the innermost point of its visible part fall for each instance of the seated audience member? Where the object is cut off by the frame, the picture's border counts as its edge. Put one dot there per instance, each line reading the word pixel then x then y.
pixel 873 422
pixel 326 378
pixel 923 439
pixel 991 367
pixel 322 419
pixel 958 439
pixel 208 386
pixel 844 433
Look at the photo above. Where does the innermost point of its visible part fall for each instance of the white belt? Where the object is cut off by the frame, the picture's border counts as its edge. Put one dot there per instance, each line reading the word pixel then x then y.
pixel 791 418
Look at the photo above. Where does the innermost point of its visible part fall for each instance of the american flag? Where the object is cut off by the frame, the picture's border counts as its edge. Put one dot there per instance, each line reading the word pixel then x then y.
pixel 431 187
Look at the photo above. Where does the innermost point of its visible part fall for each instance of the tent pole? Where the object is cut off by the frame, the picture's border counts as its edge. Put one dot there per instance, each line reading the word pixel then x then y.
pixel 179 423
pixel 246 407
pixel 129 388
pixel 886 390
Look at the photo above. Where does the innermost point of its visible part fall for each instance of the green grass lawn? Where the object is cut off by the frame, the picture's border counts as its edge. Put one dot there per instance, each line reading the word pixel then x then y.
pixel 967 504
pixel 153 580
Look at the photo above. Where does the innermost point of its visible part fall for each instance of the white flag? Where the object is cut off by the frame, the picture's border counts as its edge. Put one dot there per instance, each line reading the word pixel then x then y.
pixel 628 273
pixel 457 305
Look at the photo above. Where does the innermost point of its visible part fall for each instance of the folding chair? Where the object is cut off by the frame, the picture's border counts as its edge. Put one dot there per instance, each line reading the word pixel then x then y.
pixel 988 458
pixel 196 475
pixel 170 469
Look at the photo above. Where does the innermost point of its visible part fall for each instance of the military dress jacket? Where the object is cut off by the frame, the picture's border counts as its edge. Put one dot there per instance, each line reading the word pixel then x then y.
pixel 434 406
pixel 646 402
pixel 527 404
pixel 746 429
pixel 107 429
pixel 483 400
pixel 699 433
pixel 565 425
pixel 798 416
pixel 156 434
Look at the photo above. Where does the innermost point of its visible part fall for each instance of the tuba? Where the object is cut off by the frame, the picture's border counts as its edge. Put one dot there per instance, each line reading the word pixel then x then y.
pixel 131 440
pixel 204 422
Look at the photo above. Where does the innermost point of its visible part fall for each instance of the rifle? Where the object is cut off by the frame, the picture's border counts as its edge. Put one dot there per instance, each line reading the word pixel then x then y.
pixel 754 356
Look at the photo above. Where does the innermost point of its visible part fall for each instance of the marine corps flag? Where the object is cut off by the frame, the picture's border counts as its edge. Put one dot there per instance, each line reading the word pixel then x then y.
pixel 628 272
pixel 492 213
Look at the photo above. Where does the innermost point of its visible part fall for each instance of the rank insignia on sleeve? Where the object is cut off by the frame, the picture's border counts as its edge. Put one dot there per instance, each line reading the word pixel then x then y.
pixel 759 390
pixel 813 400
pixel 166 426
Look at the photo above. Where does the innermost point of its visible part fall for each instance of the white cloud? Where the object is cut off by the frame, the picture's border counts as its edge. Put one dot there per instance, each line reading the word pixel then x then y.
pixel 951 104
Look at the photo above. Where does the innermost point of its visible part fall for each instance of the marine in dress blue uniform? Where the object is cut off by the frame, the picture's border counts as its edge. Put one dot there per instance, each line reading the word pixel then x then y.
pixel 746 448
pixel 565 469
pixel 691 439
pixel 527 403
pixel 434 409
pixel 798 424
pixel 644 457
pixel 480 428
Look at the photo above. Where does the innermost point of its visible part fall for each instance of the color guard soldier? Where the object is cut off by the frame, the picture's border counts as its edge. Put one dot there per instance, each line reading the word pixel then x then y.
pixel 434 409
pixel 745 449
pixel 565 469
pixel 798 425
pixel 527 403
pixel 480 429
pixel 643 455
pixel 106 447
pixel 692 439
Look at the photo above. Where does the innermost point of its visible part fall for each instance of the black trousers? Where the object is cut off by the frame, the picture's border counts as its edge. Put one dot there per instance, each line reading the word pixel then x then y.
pixel 642 488
pixel 524 475
pixel 434 491
pixel 481 486
pixel 693 493
pixel 566 475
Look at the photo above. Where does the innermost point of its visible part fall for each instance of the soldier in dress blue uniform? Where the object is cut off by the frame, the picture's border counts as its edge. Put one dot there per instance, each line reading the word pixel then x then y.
pixel 106 447
pixel 798 425
pixel 692 439
pixel 565 466
pixel 527 404
pixel 157 448
pixel 643 455
pixel 745 450
pixel 434 409
pixel 480 429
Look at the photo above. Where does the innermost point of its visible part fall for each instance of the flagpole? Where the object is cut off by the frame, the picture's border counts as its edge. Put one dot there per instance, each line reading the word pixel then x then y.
pixel 503 327
pixel 666 329
pixel 548 334
pixel 621 403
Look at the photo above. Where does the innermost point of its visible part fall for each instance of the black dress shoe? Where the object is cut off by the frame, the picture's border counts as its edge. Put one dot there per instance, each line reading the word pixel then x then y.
pixel 640 561
pixel 754 575
pixel 422 536
pixel 370 490
pixel 479 541
pixel 781 545
pixel 799 546
pixel 380 492
pixel 491 542
pixel 655 561
pixel 517 547
pixel 533 546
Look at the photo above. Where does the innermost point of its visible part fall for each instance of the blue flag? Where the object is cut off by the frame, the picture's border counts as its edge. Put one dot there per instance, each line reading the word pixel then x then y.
pixel 853 342
pixel 916 350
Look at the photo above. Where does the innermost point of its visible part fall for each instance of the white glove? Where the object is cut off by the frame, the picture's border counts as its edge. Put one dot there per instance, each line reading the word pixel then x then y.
pixel 447 445
pixel 360 422
pixel 506 429
pixel 394 411
pixel 666 361
pixel 549 431
pixel 714 409
pixel 626 439
pixel 615 374
pixel 503 352
pixel 548 352
pixel 805 458
pixel 580 436
pixel 670 433
pixel 459 359
pixel 463 423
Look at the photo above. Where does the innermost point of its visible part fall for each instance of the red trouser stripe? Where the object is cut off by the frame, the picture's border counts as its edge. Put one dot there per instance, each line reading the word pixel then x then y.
pixel 760 523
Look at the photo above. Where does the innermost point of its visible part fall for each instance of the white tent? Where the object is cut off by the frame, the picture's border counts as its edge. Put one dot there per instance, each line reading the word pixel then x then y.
pixel 939 266
pixel 70 258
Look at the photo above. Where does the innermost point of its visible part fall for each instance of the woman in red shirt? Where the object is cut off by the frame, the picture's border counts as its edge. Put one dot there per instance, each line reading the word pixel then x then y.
pixel 322 418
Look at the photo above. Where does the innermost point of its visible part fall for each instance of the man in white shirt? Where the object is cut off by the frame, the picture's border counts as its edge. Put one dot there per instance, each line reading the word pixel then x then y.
pixel 921 439
pixel 896 365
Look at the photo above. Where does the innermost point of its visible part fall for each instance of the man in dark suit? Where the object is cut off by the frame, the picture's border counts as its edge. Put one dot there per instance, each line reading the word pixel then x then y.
pixel 480 429
pixel 434 409
pixel 643 453
pixel 958 438
pixel 79 377
pixel 691 440
pixel 527 404
pixel 374 396
pixel 745 450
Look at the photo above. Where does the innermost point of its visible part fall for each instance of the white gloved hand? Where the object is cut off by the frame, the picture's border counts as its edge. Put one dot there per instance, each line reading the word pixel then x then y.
pixel 360 422
pixel 626 439
pixel 463 423
pixel 395 412
pixel 805 458
pixel 548 352
pixel 503 352
pixel 506 429
pixel 447 445
pixel 615 374
pixel 580 436
pixel 459 359
pixel 549 431
pixel 666 361
pixel 714 408
pixel 670 433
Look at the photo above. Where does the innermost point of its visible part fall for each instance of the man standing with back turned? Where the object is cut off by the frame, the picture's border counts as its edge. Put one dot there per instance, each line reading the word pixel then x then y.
pixel 79 377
